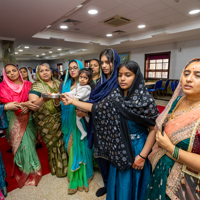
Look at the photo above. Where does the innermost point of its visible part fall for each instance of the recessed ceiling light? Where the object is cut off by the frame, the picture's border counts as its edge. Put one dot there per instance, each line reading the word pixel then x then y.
pixel 43 54
pixel 20 50
pixel 26 47
pixel 192 12
pixel 64 27
pixel 109 35
pixel 59 49
pixel 16 52
pixel 50 52
pixel 142 26
pixel 92 12
pixel 37 55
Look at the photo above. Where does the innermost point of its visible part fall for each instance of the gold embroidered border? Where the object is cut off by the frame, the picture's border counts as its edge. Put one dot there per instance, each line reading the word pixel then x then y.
pixel 173 181
pixel 190 150
pixel 157 156
pixel 70 142
pixel 182 134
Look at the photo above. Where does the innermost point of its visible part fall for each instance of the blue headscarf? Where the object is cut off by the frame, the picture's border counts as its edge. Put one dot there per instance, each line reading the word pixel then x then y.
pixel 106 85
pixel 69 110
pixel 103 89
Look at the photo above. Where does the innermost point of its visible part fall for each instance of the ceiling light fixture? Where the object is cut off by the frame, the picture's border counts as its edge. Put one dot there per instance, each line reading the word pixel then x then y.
pixel 192 12
pixel 92 12
pixel 50 52
pixel 16 52
pixel 37 55
pixel 142 26
pixel 20 50
pixel 26 47
pixel 63 27
pixel 43 54
pixel 59 49
pixel 109 35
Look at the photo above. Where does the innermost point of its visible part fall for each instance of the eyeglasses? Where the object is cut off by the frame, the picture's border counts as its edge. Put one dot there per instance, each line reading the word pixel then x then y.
pixel 72 68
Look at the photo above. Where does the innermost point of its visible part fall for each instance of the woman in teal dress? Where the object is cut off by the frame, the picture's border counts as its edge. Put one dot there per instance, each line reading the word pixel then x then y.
pixel 121 122
pixel 175 157
pixel 80 166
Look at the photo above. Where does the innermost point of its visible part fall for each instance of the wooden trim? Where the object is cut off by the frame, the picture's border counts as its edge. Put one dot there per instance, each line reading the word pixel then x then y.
pixel 156 54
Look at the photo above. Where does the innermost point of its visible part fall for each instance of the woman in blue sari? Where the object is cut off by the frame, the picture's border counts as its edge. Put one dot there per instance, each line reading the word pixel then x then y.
pixel 80 167
pixel 121 122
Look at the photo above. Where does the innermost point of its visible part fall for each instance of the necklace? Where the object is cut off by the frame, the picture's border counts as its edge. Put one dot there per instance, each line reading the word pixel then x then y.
pixel 178 104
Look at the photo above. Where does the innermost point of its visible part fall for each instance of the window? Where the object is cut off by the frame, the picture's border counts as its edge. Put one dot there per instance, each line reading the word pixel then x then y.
pixel 157 65
pixel 87 62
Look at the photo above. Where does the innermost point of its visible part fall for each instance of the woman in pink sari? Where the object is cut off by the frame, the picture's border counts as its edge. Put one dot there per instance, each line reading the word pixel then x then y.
pixel 176 155
pixel 21 132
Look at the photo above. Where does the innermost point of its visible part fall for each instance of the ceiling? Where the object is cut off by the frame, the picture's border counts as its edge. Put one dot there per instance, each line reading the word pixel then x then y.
pixel 37 24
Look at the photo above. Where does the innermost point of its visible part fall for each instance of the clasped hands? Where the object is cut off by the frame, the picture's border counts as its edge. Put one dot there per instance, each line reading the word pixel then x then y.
pixel 24 106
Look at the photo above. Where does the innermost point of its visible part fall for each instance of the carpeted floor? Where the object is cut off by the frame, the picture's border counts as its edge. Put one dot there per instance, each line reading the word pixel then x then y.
pixel 8 162
pixel 160 108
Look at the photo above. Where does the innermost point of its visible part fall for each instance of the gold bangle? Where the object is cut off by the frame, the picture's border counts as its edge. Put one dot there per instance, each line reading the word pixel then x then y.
pixel 6 108
pixel 72 101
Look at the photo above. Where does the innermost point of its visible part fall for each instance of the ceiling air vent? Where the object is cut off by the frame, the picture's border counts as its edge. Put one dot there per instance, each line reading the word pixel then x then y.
pixel 119 32
pixel 44 47
pixel 117 21
pixel 72 22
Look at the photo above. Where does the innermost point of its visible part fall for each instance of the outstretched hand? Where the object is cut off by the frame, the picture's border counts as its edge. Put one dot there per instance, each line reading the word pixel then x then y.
pixel 66 99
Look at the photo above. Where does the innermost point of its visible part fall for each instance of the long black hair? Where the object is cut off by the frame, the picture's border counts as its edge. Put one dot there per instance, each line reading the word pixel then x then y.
pixel 130 65
pixel 109 55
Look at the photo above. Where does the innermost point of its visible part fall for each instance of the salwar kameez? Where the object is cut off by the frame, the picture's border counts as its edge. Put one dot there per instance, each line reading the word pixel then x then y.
pixel 130 184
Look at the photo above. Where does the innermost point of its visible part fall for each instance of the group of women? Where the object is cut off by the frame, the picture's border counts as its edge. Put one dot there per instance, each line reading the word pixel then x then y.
pixel 124 126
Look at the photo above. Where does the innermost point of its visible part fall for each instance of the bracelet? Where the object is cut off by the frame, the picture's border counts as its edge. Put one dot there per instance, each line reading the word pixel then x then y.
pixel 175 153
pixel 72 101
pixel 142 157
pixel 6 108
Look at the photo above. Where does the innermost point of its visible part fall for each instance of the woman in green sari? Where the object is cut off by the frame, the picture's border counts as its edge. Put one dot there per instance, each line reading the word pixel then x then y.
pixel 21 132
pixel 80 169
pixel 48 119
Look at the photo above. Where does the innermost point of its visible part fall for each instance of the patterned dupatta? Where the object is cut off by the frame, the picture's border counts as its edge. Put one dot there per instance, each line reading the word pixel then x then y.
pixel 182 182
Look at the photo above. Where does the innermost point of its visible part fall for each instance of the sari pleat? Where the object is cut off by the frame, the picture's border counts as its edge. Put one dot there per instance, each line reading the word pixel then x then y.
pixel 21 135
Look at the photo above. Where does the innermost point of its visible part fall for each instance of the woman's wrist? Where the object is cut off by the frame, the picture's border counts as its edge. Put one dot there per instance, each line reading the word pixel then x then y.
pixel 170 148
pixel 142 156
pixel 5 107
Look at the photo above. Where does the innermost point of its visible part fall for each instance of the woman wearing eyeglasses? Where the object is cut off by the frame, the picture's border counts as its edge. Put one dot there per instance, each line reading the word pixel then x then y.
pixel 80 167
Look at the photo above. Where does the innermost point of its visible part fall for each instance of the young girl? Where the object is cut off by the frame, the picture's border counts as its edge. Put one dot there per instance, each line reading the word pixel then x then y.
pixel 82 91
pixel 121 122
